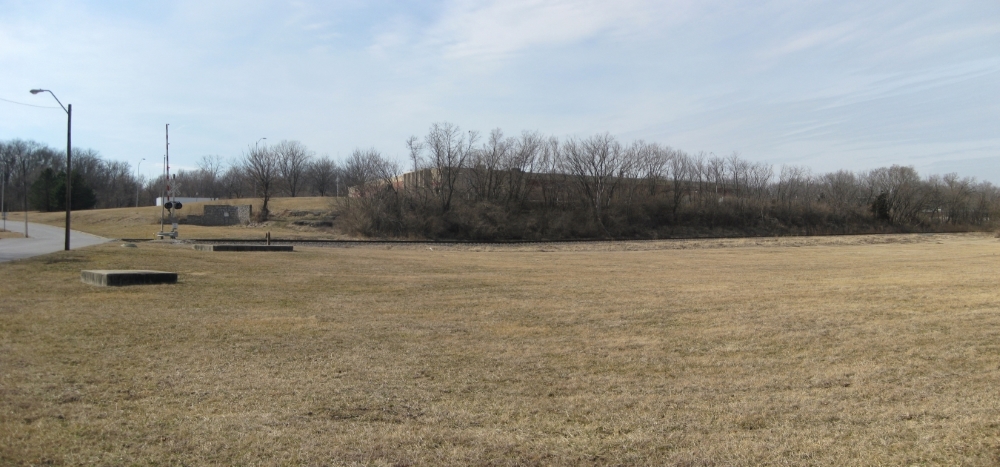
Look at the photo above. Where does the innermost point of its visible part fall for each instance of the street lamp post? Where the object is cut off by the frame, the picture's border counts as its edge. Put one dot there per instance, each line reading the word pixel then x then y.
pixel 137 181
pixel 3 196
pixel 69 166
pixel 24 185
pixel 255 180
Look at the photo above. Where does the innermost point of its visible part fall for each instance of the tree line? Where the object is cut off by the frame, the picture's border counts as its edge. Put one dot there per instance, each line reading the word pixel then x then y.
pixel 33 177
pixel 288 168
pixel 460 184
pixel 534 187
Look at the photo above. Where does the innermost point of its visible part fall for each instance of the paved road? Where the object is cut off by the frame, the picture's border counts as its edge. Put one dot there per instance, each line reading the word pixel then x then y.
pixel 43 239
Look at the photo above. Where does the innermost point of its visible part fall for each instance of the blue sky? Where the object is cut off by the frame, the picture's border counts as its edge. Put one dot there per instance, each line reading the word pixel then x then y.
pixel 824 84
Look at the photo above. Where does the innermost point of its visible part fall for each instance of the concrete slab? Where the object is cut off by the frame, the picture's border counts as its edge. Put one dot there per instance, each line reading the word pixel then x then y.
pixel 243 247
pixel 121 277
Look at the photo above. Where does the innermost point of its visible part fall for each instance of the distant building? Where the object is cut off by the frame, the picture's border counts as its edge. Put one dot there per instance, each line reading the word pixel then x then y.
pixel 424 178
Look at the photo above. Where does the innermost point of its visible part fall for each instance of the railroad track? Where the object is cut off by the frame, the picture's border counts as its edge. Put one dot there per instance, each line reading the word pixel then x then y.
pixel 333 242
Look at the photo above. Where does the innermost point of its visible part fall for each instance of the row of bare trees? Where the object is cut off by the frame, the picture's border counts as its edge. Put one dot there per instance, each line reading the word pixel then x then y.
pixel 288 168
pixel 460 184
pixel 531 186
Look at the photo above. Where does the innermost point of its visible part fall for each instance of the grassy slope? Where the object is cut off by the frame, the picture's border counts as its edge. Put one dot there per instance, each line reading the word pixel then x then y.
pixel 796 351
pixel 144 222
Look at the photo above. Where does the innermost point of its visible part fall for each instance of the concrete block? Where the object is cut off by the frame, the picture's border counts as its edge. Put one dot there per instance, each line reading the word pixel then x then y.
pixel 120 277
pixel 214 214
pixel 250 247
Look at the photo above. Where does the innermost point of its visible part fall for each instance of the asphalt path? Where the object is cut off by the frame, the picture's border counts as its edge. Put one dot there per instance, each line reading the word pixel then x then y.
pixel 43 239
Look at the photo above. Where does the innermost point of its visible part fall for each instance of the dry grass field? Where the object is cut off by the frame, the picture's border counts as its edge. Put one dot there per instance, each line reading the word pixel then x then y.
pixel 836 351
pixel 144 222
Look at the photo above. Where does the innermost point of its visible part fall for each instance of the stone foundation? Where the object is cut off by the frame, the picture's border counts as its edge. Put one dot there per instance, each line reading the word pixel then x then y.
pixel 222 214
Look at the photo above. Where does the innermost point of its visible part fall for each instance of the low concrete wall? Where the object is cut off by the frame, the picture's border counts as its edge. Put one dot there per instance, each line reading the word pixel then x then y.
pixel 119 277
pixel 243 247
pixel 222 214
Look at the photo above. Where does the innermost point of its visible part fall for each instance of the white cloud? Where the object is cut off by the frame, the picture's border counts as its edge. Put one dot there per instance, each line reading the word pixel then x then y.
pixel 501 28
pixel 842 33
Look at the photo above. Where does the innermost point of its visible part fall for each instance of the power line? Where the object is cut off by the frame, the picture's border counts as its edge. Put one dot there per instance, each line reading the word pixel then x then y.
pixel 29 105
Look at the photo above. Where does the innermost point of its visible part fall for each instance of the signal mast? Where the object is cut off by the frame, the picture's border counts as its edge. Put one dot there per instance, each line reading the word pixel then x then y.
pixel 167 202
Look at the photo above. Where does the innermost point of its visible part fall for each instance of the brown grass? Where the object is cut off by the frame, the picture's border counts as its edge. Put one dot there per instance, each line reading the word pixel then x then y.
pixel 9 234
pixel 144 222
pixel 833 352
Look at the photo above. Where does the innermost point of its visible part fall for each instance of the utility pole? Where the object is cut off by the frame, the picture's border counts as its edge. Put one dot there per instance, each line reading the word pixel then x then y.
pixel 169 205
pixel 3 195
pixel 24 183
pixel 170 188
pixel 162 195
pixel 69 170
pixel 255 180
pixel 69 166
pixel 137 181
pixel 166 170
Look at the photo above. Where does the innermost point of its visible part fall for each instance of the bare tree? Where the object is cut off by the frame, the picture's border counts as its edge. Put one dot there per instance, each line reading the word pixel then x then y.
pixel 374 207
pixel 548 174
pixel 715 176
pixel 322 175
pixel 116 185
pixel 487 167
pixel 681 170
pixel 984 203
pixel 956 197
pixel 701 171
pixel 758 180
pixel 211 165
pixel 206 180
pixel 366 170
pixel 841 190
pixel 899 196
pixel 597 164
pixel 651 164
pixel 522 158
pixel 293 161
pixel 791 185
pixel 88 163
pixel 632 175
pixel 260 165
pixel 450 151
pixel 26 162
pixel 234 181
pixel 7 164
pixel 415 148
pixel 737 172
pixel 419 185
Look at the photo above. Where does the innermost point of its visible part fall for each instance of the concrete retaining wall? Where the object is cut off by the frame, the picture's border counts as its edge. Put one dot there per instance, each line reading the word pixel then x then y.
pixel 122 277
pixel 221 214
pixel 243 247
